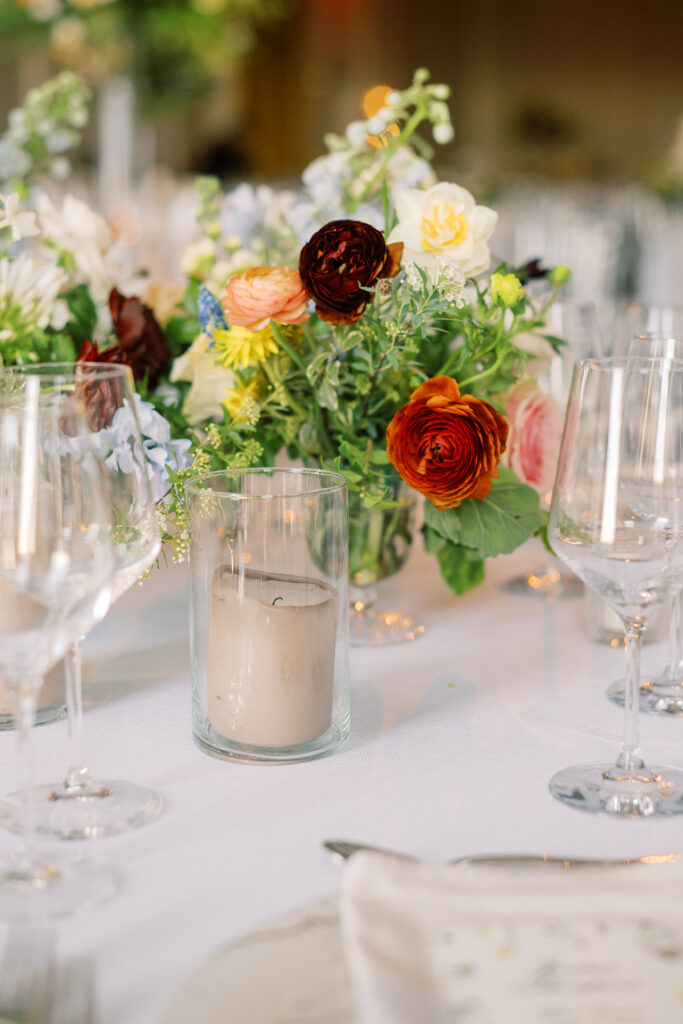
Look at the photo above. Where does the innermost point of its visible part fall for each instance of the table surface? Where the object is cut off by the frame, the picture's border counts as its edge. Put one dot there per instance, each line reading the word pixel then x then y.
pixel 453 740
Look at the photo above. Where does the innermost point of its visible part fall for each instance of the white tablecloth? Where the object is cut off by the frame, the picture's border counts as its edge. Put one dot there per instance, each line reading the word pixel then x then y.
pixel 453 740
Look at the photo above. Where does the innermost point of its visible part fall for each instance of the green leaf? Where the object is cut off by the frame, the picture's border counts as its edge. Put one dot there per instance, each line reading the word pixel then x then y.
pixel 327 396
pixel 494 525
pixel 83 314
pixel 461 567
pixel 446 523
pixel 558 344
pixel 499 523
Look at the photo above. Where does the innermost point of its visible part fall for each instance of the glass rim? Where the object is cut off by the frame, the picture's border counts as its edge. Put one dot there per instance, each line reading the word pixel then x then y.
pixel 658 335
pixel 609 362
pixel 68 369
pixel 340 482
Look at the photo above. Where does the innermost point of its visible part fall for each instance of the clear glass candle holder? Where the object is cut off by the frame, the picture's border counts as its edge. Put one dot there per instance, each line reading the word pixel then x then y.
pixel 269 613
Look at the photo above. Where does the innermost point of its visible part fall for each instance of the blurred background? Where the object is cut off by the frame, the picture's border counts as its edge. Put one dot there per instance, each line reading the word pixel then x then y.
pixel 568 117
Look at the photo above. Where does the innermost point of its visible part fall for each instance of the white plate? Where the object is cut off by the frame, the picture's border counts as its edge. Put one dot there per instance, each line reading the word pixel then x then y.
pixel 290 972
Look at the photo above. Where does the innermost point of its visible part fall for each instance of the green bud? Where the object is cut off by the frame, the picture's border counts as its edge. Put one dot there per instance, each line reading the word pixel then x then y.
pixel 559 275
pixel 506 289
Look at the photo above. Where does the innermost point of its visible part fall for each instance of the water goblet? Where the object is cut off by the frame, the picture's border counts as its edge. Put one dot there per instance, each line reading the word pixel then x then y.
pixel 82 807
pixel 56 568
pixel 616 519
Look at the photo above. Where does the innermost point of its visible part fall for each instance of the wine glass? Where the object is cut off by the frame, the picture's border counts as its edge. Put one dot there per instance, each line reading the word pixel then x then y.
pixel 617 520
pixel 56 568
pixel 640 320
pixel 576 323
pixel 661 694
pixel 82 807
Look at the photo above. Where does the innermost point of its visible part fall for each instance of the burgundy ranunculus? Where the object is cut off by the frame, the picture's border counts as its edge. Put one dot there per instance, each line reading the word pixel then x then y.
pixel 142 344
pixel 339 261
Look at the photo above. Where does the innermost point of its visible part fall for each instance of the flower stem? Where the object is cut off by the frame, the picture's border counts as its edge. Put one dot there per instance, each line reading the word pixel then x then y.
pixel 284 344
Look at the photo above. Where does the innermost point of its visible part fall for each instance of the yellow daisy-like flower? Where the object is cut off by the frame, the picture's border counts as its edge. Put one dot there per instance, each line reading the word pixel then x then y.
pixel 240 401
pixel 239 347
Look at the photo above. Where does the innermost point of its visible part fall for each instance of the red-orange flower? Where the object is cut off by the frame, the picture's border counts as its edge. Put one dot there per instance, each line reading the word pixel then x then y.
pixel 339 262
pixel 446 445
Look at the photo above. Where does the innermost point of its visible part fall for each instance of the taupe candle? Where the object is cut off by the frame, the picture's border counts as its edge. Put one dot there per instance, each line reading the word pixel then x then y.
pixel 271 657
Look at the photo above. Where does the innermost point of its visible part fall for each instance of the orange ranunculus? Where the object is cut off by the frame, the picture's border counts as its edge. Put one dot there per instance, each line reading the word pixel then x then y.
pixel 446 445
pixel 263 294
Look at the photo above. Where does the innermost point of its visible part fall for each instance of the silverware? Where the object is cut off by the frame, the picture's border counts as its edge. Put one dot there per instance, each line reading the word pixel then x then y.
pixel 341 849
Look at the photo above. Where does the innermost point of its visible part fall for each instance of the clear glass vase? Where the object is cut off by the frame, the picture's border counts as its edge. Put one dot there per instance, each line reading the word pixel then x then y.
pixel 269 635
pixel 379 544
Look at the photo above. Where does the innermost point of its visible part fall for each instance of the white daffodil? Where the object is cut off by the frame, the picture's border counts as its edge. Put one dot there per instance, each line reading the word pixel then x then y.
pixel 22 225
pixel 210 381
pixel 444 223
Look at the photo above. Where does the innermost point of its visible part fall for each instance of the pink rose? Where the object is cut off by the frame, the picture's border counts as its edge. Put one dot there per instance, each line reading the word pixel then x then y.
pixel 263 294
pixel 533 446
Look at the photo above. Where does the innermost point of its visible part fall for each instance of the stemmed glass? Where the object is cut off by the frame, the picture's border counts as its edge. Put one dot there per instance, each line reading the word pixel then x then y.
pixel 576 323
pixel 56 569
pixel 82 807
pixel 617 520
pixel 661 694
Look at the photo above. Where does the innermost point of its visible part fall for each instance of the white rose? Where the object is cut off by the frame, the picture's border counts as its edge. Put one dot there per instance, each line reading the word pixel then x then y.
pixel 444 221
pixel 210 381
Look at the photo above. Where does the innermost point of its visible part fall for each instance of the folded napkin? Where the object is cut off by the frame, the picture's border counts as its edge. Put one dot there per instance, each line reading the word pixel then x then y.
pixel 435 944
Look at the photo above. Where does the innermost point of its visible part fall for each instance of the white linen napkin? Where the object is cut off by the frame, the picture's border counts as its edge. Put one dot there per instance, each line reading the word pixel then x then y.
pixel 435 944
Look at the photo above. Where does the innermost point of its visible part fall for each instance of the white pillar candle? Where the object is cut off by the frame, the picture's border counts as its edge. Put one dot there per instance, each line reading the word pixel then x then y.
pixel 271 657
pixel 19 611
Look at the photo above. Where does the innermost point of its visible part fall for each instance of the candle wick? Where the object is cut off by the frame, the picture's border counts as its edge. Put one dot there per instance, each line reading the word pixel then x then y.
pixel 277 599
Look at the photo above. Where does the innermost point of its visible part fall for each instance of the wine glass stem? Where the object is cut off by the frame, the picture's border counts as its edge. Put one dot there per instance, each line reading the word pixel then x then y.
pixel 25 720
pixel 675 653
pixel 630 757
pixel 77 776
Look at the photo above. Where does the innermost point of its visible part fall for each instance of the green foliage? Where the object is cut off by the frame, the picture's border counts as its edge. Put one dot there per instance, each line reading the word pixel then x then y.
pixel 494 525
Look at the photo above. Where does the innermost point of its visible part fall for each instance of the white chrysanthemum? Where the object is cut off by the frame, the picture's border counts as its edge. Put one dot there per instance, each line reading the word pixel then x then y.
pixel 28 296
pixel 444 221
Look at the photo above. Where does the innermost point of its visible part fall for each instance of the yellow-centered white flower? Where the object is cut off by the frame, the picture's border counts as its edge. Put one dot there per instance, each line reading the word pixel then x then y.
pixel 443 223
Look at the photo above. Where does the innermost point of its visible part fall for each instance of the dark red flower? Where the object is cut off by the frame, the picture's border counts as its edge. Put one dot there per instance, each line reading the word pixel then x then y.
pixel 142 344
pixel 339 261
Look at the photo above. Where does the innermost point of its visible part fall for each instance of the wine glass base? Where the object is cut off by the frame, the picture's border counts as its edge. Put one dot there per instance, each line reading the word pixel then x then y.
pixel 49 884
pixel 371 628
pixel 543 584
pixel 657 696
pixel 102 808
pixel 654 792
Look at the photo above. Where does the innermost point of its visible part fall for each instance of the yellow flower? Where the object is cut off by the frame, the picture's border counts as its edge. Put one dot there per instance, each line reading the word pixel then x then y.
pixel 239 347
pixel 241 400
pixel 506 289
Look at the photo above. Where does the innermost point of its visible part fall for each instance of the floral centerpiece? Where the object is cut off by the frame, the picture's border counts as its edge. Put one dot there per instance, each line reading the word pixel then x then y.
pixel 377 347
pixel 352 324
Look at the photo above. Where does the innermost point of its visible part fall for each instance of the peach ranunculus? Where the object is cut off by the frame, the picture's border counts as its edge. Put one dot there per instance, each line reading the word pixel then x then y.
pixel 262 294
pixel 536 422
pixel 446 445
